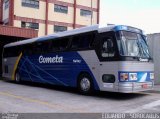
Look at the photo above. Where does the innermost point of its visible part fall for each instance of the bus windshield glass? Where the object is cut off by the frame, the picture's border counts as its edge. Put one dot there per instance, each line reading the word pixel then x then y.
pixel 133 44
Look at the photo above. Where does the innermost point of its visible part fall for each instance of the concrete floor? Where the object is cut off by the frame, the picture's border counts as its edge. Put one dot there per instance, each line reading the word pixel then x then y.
pixel 39 98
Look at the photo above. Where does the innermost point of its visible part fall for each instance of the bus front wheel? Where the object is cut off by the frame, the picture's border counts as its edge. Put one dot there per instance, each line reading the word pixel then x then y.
pixel 85 84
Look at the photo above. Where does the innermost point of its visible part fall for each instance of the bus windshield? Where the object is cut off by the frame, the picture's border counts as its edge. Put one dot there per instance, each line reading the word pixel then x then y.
pixel 133 44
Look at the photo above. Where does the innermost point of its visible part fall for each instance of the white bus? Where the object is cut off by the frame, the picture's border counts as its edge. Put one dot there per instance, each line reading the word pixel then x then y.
pixel 112 58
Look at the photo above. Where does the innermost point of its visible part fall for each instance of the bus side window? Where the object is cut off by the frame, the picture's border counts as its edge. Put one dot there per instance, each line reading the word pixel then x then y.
pixel 12 51
pixel 28 49
pixel 59 44
pixel 82 41
pixel 37 48
pixel 46 46
pixel 64 44
pixel 107 47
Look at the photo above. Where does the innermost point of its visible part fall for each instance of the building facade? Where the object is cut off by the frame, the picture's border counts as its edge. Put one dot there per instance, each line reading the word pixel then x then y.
pixel 49 16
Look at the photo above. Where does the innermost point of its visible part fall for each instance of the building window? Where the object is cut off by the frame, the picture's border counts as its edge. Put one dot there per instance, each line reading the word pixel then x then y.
pixel 85 13
pixel 31 3
pixel 61 9
pixel 6 4
pixel 59 28
pixel 29 25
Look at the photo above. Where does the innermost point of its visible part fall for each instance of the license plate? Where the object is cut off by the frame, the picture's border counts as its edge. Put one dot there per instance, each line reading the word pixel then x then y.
pixel 144 86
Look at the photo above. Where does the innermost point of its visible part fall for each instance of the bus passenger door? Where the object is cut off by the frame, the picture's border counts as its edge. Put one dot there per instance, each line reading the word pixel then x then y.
pixel 108 61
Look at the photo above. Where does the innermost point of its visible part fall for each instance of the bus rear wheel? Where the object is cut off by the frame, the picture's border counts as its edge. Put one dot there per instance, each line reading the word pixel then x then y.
pixel 85 84
pixel 17 77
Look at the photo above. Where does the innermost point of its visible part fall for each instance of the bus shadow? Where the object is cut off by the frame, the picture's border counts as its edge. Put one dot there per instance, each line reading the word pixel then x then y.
pixel 119 96
pixel 97 94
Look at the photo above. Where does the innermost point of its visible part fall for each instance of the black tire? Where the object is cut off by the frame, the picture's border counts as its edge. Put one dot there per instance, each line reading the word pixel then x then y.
pixel 17 77
pixel 85 84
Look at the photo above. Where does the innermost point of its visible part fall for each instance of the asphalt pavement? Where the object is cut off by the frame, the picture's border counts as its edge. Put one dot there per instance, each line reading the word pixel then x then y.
pixel 40 98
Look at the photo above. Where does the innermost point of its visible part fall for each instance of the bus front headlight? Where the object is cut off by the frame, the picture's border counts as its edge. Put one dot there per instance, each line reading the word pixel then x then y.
pixel 123 76
pixel 151 76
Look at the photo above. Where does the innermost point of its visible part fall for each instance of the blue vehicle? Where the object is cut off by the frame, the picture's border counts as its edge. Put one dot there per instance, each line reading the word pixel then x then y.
pixel 112 58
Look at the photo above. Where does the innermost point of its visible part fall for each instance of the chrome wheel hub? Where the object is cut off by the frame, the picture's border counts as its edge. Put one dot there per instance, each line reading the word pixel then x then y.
pixel 17 77
pixel 85 84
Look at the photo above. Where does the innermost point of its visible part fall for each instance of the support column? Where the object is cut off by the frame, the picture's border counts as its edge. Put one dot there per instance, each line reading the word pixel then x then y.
pixel 11 12
pixel 98 11
pixel 1 11
pixel 46 21
pixel 92 12
pixel 74 16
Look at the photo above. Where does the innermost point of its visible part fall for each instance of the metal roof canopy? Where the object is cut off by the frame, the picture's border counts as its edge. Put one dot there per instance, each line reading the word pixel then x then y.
pixel 18 32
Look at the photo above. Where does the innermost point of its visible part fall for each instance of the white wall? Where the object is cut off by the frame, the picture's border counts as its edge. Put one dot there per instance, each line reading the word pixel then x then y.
pixel 154 45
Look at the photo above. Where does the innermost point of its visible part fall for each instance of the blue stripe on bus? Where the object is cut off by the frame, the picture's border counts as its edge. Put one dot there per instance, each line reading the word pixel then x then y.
pixel 141 76
pixel 58 73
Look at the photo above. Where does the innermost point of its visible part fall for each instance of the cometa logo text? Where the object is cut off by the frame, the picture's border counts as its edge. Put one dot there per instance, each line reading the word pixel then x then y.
pixel 46 60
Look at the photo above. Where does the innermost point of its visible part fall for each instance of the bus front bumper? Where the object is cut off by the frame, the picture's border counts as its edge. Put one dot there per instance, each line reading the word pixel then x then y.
pixel 130 87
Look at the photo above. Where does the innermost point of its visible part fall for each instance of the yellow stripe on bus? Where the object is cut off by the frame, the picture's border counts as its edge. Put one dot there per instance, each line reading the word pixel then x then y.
pixel 15 66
